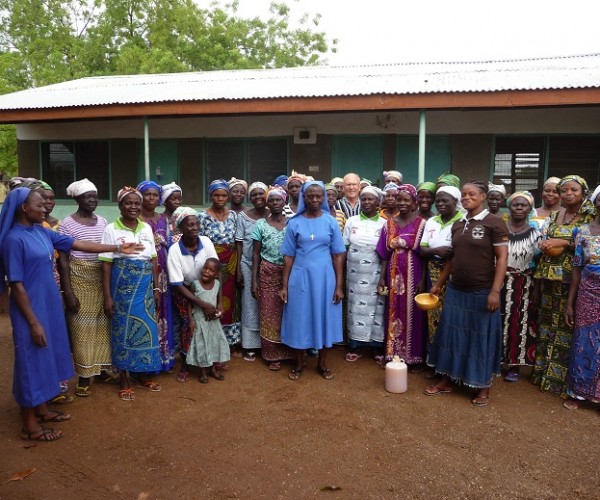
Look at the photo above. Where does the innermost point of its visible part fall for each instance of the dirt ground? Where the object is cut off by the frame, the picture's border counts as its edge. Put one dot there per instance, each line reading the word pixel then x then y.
pixel 258 434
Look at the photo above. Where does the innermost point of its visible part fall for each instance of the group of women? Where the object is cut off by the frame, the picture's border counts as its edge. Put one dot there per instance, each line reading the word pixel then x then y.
pixel 515 286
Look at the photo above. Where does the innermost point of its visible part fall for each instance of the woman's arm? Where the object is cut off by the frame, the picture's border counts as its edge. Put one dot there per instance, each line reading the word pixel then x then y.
pixel 239 278
pixel 64 270
pixel 339 259
pixel 444 275
pixel 209 310
pixel 256 248
pixel 288 262
pixel 108 301
pixel 382 274
pixel 155 280
pixel 573 289
pixel 493 300
pixel 38 335
pixel 91 247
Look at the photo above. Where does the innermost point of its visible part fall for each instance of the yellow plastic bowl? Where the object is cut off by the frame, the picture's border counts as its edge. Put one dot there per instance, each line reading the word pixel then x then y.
pixel 426 301
pixel 553 251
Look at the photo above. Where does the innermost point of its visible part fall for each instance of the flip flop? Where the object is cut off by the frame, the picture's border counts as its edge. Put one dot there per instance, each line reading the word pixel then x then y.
pixel 295 374
pixel 217 375
pixel 83 391
pixel 61 399
pixel 512 377
pixel 571 404
pixel 434 390
pixel 275 366
pixel 59 416
pixel 183 377
pixel 353 356
pixel 326 373
pixel 126 394
pixel 249 356
pixel 41 434
pixel 480 401
pixel 151 386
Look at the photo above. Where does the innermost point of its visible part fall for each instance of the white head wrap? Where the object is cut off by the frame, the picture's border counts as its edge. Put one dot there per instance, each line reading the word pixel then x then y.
pixel 375 191
pixel 452 191
pixel 168 190
pixel 259 185
pixel 595 195
pixel 390 186
pixel 498 188
pixel 234 182
pixel 77 188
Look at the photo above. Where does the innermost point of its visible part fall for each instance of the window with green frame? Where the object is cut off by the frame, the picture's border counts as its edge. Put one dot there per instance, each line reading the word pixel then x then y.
pixel 67 161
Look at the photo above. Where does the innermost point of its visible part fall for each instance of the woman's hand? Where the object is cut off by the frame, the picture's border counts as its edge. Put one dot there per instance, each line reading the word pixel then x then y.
pixel 435 290
pixel 72 303
pixel 283 295
pixel 444 252
pixel 553 242
pixel 569 316
pixel 493 301
pixel 157 298
pixel 109 306
pixel 239 278
pixel 338 295
pixel 131 248
pixel 38 335
pixel 192 326
pixel 254 290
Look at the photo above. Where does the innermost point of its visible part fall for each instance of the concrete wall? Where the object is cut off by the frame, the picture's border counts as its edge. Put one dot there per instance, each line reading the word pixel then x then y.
pixel 319 155
pixel 190 170
pixel 123 162
pixel 472 156
pixel 29 158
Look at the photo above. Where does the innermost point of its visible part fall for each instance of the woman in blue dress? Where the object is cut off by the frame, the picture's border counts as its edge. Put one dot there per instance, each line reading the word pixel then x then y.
pixel 313 264
pixel 42 352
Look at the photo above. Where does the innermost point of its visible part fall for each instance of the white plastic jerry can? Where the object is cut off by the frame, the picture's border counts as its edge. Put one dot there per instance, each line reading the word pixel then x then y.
pixel 396 376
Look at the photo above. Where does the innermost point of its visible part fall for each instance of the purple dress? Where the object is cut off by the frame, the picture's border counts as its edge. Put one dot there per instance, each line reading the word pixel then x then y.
pixel 405 323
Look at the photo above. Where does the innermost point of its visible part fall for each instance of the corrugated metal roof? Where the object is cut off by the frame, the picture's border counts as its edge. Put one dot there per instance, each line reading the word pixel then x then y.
pixel 316 81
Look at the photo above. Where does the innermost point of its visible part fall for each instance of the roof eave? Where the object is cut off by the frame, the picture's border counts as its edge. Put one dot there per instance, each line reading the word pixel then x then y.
pixel 291 105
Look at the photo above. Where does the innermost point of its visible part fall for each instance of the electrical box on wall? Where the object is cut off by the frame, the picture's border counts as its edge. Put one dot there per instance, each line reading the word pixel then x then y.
pixel 305 135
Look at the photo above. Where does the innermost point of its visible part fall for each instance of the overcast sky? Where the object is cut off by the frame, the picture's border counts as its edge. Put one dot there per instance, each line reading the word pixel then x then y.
pixel 376 31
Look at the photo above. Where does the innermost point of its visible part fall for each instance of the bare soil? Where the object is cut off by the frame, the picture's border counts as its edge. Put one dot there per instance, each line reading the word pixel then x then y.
pixel 258 434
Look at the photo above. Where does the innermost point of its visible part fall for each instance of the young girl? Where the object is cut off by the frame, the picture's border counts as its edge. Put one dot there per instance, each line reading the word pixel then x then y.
pixel 208 344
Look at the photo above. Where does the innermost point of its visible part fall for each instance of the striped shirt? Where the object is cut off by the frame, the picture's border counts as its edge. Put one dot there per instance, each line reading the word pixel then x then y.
pixel 345 206
pixel 70 227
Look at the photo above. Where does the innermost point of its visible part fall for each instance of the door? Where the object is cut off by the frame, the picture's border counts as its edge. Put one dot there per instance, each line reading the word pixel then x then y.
pixel 362 155
pixel 164 161
pixel 437 157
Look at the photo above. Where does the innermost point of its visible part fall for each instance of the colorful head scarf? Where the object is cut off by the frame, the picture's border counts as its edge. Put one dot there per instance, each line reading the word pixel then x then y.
pixel 125 190
pixel 496 188
pixel 15 198
pixel 410 189
pixel 449 180
pixel 452 191
pixel 552 180
pixel 237 182
pixel 392 174
pixel 180 213
pixel 305 186
pixel 374 190
pixel 595 195
pixel 365 181
pixel 390 186
pixel 277 191
pixel 336 179
pixel 258 185
pixel 218 184
pixel 280 180
pixel 576 178
pixel 78 188
pixel 17 181
pixel 298 177
pixel 168 190
pixel 143 186
pixel 523 194
pixel 427 186
pixel 46 186
pixel 330 187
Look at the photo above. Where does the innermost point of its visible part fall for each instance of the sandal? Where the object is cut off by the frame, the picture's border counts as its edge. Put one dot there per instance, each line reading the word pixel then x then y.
pixel 326 373
pixel 353 356
pixel 249 356
pixel 126 394
pixel 216 375
pixel 83 391
pixel 203 378
pixel 59 416
pixel 41 434
pixel 61 399
pixel 295 374
pixel 512 377
pixel 221 366
pixel 275 366
pixel 480 401
pixel 183 377
pixel 380 360
pixel 434 390
pixel 107 378
pixel 571 404
pixel 151 386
